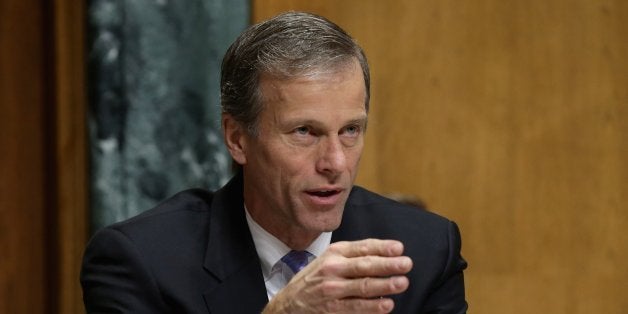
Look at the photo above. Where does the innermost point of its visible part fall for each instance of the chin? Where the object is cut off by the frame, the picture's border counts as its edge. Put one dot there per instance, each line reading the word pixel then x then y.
pixel 325 224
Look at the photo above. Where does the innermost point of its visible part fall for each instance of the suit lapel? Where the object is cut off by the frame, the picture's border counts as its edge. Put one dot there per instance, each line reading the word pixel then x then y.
pixel 231 257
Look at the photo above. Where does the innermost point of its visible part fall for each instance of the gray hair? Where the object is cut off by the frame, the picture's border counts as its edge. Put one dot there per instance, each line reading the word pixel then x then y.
pixel 289 45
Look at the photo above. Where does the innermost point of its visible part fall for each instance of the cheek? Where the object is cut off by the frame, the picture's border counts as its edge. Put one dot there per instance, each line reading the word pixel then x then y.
pixel 286 171
pixel 295 162
pixel 354 156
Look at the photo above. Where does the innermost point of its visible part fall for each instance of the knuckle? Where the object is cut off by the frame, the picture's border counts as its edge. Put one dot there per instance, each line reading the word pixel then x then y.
pixel 330 267
pixel 362 265
pixel 333 306
pixel 336 247
pixel 392 265
pixel 365 286
pixel 330 289
pixel 363 248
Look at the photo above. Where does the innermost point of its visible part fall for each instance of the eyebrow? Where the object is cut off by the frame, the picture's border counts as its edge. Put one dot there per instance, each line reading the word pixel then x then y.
pixel 360 121
pixel 364 122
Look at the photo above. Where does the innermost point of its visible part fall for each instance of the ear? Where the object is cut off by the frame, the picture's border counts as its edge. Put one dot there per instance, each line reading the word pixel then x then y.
pixel 235 138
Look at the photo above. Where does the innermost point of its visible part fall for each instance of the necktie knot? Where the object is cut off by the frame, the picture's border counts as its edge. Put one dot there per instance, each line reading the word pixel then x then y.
pixel 296 260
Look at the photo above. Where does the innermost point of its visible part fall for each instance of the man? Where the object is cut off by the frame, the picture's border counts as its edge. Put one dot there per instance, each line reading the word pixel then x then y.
pixel 295 95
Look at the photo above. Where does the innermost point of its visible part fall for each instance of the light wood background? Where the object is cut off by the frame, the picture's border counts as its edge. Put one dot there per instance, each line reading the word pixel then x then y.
pixel 511 118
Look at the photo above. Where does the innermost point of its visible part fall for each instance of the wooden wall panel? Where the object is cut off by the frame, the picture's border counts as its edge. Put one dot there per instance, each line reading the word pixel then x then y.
pixel 23 281
pixel 42 156
pixel 510 118
pixel 70 179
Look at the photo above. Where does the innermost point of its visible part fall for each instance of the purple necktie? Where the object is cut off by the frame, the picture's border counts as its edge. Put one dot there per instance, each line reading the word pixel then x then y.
pixel 296 260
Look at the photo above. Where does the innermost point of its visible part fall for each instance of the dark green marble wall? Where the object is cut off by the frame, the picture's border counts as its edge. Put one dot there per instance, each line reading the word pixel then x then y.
pixel 154 118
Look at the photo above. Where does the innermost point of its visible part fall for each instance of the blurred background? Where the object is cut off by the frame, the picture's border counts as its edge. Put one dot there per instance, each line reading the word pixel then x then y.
pixel 508 117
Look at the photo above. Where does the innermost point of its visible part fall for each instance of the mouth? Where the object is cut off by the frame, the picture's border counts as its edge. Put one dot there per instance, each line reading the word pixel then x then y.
pixel 324 193
pixel 324 197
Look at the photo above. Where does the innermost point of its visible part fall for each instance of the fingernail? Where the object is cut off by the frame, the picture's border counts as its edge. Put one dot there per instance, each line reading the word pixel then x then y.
pixel 399 247
pixel 403 263
pixel 407 263
pixel 399 282
pixel 396 248
pixel 387 305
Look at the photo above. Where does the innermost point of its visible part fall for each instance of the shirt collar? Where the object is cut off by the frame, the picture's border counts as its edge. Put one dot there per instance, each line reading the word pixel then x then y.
pixel 270 249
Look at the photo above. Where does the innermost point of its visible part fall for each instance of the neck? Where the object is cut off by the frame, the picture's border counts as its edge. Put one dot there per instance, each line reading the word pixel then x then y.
pixel 293 237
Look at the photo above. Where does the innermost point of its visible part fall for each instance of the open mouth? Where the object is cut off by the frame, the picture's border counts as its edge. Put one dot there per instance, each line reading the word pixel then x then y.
pixel 324 193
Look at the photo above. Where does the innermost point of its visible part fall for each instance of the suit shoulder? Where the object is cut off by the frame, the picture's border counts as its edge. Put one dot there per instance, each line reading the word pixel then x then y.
pixel 365 200
pixel 426 234
pixel 178 227
pixel 175 213
pixel 192 200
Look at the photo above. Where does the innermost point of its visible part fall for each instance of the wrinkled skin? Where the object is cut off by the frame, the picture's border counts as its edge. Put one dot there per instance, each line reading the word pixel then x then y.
pixel 350 277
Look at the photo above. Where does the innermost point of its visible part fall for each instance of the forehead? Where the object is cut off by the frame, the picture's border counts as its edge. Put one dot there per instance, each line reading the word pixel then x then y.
pixel 341 86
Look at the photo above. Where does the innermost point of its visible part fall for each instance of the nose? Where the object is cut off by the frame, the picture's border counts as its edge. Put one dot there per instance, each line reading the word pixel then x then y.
pixel 332 158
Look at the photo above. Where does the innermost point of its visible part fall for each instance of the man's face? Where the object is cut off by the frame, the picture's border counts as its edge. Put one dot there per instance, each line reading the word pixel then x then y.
pixel 299 170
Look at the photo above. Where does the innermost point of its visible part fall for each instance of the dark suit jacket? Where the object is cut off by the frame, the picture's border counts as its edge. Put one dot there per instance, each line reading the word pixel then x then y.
pixel 194 254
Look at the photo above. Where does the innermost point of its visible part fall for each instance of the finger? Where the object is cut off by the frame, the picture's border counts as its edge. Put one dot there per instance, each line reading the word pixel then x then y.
pixel 375 266
pixel 352 305
pixel 367 247
pixel 375 287
pixel 369 287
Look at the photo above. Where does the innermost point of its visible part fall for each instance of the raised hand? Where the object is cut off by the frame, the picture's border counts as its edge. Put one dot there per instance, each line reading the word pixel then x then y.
pixel 350 277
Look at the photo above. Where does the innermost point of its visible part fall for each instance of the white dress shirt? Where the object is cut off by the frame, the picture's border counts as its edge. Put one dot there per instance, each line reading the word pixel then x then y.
pixel 270 251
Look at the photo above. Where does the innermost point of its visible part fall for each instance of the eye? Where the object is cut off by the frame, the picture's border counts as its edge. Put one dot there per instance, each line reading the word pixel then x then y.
pixel 303 135
pixel 351 130
pixel 302 130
